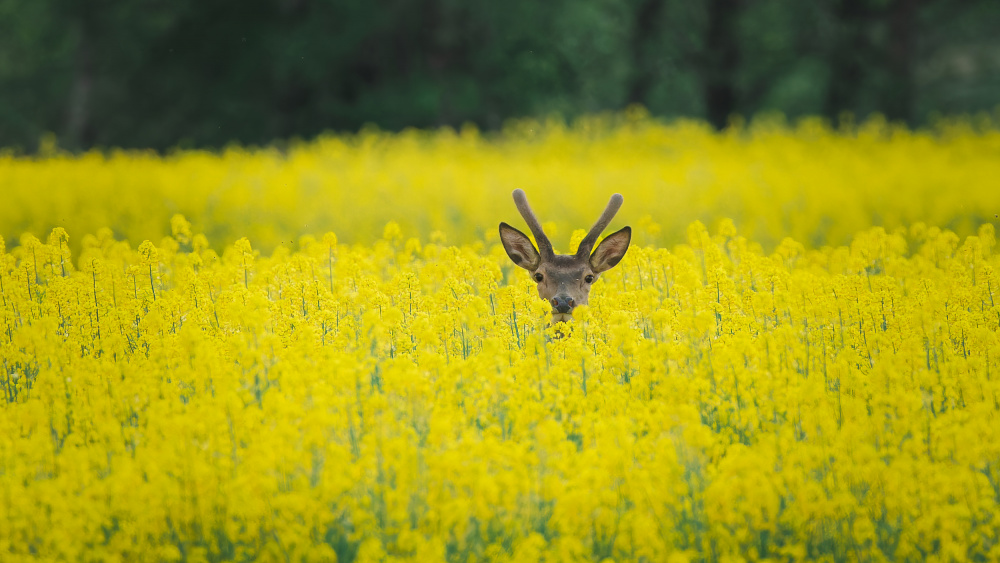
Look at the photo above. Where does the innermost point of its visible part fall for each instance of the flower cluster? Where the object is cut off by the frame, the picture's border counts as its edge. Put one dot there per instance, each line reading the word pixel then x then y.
pixel 405 399
pixel 816 184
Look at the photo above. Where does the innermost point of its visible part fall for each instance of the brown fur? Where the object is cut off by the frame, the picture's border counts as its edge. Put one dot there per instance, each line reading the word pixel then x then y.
pixel 564 280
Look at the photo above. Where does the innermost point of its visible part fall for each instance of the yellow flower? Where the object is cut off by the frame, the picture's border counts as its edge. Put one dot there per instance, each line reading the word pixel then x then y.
pixel 803 390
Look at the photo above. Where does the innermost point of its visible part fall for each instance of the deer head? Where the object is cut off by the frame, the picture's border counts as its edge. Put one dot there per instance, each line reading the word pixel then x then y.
pixel 564 280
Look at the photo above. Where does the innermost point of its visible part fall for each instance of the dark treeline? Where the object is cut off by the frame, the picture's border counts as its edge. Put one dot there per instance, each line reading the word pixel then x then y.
pixel 193 73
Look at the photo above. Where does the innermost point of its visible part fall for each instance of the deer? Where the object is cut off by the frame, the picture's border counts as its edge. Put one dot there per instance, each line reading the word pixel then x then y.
pixel 564 280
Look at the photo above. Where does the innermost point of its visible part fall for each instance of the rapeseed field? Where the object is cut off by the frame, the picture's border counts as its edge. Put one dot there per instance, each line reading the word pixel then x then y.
pixel 319 351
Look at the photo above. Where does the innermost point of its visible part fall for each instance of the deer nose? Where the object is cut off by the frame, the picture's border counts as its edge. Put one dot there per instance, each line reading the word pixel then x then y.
pixel 563 303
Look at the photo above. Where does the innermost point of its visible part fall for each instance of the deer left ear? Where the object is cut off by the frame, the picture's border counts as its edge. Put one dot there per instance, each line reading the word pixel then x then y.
pixel 519 248
pixel 611 250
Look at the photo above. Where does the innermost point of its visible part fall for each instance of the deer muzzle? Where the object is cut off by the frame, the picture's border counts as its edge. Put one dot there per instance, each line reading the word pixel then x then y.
pixel 562 304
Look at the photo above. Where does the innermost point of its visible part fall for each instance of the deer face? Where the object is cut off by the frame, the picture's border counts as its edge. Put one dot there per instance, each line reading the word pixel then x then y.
pixel 564 280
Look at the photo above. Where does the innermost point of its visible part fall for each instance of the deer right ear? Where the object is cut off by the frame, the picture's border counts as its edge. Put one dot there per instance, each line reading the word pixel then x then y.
pixel 611 250
pixel 519 248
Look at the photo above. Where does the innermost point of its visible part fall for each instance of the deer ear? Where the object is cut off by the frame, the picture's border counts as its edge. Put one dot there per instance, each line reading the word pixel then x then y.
pixel 611 250
pixel 519 247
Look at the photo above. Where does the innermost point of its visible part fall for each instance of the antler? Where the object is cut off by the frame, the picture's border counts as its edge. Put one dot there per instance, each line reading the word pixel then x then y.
pixel 544 246
pixel 587 244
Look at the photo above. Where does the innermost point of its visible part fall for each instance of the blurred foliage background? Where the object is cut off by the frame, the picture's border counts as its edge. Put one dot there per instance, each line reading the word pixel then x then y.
pixel 160 74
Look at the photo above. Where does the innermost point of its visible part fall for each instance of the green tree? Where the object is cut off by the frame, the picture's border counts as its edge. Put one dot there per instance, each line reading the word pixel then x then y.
pixel 158 74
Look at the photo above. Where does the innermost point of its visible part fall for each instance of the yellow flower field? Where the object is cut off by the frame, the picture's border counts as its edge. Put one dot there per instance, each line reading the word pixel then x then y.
pixel 321 351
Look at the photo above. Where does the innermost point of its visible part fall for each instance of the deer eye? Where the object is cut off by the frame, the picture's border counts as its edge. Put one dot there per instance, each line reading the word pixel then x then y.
pixel 589 278
pixel 538 277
